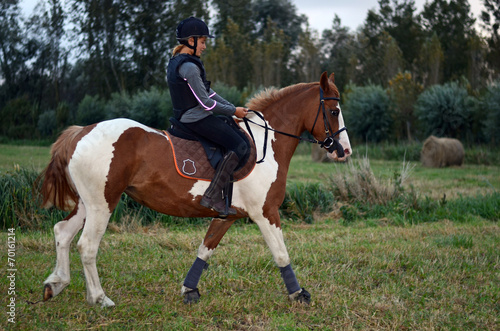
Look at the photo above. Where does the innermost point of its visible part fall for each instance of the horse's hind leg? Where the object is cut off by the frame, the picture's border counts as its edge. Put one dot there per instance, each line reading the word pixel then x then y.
pixel 88 246
pixel 217 230
pixel 64 232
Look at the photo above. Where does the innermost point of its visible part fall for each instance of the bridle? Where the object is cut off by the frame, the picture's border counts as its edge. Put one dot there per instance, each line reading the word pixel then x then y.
pixel 330 143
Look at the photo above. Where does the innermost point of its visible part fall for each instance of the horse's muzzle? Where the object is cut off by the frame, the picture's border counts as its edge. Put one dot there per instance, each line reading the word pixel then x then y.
pixel 331 144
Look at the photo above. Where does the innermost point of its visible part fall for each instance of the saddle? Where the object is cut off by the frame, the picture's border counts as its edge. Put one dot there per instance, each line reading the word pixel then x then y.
pixel 196 157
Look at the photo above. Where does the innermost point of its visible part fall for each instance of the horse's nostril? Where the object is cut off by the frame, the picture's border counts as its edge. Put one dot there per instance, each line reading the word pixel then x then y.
pixel 346 151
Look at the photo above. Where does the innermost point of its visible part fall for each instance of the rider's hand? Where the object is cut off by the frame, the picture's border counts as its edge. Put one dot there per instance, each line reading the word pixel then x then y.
pixel 241 112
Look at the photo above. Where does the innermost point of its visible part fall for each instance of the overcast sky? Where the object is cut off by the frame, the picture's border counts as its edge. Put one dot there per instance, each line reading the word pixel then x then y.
pixel 352 13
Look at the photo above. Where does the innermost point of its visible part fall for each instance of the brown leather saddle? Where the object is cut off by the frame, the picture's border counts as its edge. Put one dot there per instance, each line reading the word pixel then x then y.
pixel 197 158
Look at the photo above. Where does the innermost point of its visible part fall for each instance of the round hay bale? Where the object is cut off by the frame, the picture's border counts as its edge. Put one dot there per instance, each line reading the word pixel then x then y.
pixel 442 152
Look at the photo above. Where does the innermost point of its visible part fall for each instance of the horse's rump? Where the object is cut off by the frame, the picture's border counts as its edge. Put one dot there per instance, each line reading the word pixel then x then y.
pixel 57 189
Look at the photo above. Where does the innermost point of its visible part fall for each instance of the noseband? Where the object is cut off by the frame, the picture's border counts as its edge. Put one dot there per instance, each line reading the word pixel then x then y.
pixel 330 143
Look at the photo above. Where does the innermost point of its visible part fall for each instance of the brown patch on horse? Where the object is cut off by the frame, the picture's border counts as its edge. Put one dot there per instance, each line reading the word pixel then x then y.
pixel 57 190
pixel 218 227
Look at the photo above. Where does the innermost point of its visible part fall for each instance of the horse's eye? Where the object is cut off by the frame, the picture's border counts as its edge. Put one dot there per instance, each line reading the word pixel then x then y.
pixel 335 112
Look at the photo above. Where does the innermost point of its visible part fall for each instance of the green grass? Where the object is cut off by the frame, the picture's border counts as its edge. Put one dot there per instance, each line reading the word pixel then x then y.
pixel 420 260
pixel 435 276
pixel 32 157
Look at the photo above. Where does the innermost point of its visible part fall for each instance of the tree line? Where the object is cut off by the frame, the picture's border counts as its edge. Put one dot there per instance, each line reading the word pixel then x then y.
pixel 80 61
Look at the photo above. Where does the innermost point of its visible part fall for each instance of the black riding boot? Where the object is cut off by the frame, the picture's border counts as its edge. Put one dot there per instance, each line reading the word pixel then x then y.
pixel 213 197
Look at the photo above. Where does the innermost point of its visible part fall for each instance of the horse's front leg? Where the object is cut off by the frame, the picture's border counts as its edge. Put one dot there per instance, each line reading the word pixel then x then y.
pixel 273 235
pixel 217 230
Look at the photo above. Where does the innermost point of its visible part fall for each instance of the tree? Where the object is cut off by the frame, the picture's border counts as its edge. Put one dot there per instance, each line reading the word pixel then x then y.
pixel 238 11
pixel 283 13
pixel 269 56
pixel 308 58
pixel 12 58
pixel 431 61
pixel 397 19
pixel 454 25
pixel 404 91
pixel 339 50
pixel 227 62
pixel 151 34
pixel 100 26
pixel 491 22
pixel 46 28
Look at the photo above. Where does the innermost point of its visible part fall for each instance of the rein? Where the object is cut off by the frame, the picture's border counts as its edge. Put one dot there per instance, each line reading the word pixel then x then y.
pixel 327 143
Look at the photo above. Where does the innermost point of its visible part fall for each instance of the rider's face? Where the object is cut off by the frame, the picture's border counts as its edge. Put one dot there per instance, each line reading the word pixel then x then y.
pixel 201 46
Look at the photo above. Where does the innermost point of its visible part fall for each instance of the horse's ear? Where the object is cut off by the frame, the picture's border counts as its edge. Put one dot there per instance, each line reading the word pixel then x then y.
pixel 332 78
pixel 323 82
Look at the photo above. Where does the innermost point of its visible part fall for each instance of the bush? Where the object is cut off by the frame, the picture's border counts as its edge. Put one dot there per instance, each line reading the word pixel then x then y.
pixel 231 94
pixel 90 111
pixel 303 201
pixel 18 120
pixel 367 113
pixel 491 104
pixel 47 123
pixel 120 105
pixel 445 111
pixel 152 108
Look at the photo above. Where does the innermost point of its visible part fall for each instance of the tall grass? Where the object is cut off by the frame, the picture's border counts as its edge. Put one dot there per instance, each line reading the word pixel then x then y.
pixel 354 194
pixel 18 206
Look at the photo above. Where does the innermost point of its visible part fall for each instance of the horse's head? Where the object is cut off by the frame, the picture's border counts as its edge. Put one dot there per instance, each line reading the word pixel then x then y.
pixel 328 126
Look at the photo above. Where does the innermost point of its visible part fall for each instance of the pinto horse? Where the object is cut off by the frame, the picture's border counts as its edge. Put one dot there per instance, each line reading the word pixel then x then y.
pixel 92 166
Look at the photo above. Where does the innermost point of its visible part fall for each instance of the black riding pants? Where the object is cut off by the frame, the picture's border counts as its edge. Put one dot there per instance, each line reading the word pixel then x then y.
pixel 215 129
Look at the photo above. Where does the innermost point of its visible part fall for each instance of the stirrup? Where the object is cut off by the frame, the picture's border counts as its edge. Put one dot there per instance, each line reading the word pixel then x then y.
pixel 219 206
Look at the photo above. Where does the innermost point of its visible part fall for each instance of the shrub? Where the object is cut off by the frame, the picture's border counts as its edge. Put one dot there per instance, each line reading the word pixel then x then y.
pixel 491 104
pixel 90 110
pixel 47 123
pixel 18 119
pixel 304 200
pixel 120 105
pixel 445 111
pixel 359 184
pixel 230 93
pixel 152 108
pixel 368 112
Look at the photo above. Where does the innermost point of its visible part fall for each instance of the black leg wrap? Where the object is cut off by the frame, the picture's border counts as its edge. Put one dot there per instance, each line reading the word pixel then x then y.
pixel 291 283
pixel 194 274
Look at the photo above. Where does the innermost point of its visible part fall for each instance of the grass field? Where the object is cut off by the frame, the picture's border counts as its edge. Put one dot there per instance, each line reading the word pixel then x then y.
pixel 433 276
pixel 437 275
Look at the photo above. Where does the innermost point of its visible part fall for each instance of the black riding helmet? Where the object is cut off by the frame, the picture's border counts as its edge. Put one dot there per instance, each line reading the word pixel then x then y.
pixel 192 27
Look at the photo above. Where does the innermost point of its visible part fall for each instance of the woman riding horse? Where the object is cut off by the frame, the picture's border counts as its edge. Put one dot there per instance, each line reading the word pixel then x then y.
pixel 196 104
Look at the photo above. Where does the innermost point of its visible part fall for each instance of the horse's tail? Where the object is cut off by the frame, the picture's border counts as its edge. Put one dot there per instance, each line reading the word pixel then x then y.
pixel 57 188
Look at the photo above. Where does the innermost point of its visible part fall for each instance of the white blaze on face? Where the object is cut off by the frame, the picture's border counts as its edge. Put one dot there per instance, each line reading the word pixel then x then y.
pixel 343 140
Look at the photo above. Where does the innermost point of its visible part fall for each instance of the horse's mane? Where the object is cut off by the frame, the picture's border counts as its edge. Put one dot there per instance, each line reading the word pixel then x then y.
pixel 269 95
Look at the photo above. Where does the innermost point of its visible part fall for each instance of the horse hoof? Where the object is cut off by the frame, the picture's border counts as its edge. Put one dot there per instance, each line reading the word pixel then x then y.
pixel 192 296
pixel 107 302
pixel 303 297
pixel 47 292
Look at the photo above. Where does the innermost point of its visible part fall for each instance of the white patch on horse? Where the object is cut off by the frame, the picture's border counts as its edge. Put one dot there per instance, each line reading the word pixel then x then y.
pixel 204 253
pixel 258 182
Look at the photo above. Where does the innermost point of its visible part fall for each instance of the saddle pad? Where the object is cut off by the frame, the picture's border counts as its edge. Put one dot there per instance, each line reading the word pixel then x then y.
pixel 191 160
